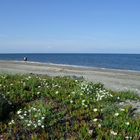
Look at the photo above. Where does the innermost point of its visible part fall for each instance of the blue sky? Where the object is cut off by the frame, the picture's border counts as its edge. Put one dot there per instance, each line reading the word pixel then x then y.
pixel 70 26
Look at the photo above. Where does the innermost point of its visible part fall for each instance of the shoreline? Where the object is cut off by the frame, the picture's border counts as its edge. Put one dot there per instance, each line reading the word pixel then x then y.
pixel 71 66
pixel 111 78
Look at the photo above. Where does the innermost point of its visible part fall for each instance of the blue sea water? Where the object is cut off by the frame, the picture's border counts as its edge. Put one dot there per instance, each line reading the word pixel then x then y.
pixel 111 61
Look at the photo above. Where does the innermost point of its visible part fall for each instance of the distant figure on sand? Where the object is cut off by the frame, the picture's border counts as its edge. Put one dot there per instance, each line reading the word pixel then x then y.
pixel 25 59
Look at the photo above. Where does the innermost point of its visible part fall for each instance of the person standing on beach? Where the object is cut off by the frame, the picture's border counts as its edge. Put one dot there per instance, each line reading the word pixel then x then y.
pixel 25 59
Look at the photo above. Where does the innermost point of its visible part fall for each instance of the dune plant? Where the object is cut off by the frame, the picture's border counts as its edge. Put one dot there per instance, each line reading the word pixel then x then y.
pixel 65 108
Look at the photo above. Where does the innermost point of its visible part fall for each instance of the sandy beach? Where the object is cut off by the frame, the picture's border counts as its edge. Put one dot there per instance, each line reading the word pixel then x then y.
pixel 113 79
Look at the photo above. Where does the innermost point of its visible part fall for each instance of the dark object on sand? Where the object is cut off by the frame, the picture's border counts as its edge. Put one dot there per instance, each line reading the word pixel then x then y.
pixel 25 58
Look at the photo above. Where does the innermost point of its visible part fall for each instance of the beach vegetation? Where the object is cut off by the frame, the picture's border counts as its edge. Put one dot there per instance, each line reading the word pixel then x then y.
pixel 43 107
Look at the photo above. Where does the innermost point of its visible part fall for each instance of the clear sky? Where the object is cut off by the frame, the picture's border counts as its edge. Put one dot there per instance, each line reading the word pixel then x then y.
pixel 70 26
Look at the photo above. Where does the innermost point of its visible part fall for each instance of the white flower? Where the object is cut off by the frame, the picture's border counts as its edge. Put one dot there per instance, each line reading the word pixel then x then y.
pixel 73 92
pixel 83 104
pixel 86 106
pixel 42 118
pixel 56 92
pixel 90 132
pixel 113 133
pixel 39 121
pixel 99 125
pixel 95 120
pixel 38 93
pixel 71 101
pixel 12 122
pixel 116 114
pixel 42 126
pixel 111 95
pixel 83 101
pixel 122 109
pixel 29 77
pixel 95 109
pixel 21 117
pixel 39 124
pixel 34 109
pixel 127 137
pixel 127 123
pixel 35 125
pixel 18 112
pixel 118 98
pixel 28 124
pixel 24 114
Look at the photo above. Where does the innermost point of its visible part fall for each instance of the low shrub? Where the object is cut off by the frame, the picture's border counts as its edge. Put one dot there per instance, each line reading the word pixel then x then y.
pixel 5 107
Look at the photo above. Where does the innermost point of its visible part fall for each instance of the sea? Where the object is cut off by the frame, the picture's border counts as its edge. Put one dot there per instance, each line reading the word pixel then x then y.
pixel 105 61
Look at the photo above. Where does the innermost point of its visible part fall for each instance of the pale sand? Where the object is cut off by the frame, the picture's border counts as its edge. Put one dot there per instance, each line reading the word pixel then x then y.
pixel 113 79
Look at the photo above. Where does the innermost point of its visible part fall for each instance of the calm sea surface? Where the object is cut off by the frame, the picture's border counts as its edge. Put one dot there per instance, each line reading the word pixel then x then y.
pixel 112 61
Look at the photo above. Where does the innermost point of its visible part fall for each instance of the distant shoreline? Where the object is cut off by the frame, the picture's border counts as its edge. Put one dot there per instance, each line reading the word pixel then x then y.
pixel 73 66
pixel 121 62
pixel 112 79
